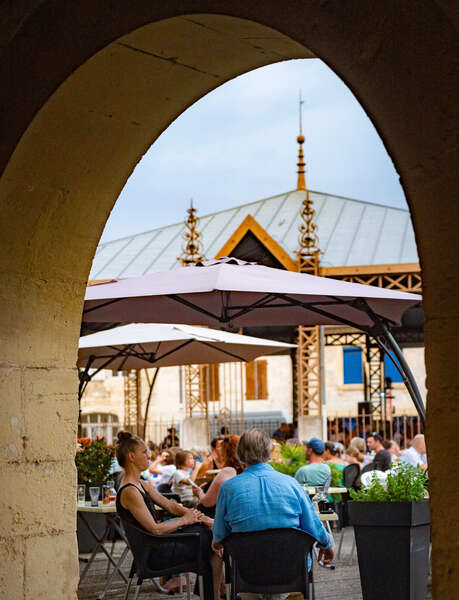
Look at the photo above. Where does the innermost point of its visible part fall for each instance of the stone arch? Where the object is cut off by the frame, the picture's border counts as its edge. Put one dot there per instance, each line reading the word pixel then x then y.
pixel 88 89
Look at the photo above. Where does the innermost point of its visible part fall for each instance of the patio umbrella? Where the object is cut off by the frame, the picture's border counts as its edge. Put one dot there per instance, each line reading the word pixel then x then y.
pixel 233 293
pixel 144 345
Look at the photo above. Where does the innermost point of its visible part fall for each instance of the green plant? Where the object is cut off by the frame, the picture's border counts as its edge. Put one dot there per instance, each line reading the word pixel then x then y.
pixel 336 477
pixel 293 457
pixel 405 483
pixel 93 460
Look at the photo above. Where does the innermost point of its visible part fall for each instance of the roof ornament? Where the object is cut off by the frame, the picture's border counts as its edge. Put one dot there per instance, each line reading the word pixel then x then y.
pixel 308 252
pixel 191 247
pixel 301 183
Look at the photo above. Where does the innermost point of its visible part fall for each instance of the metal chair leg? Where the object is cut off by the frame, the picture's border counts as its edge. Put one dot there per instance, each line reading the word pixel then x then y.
pixel 341 539
pixel 128 587
pixel 201 587
pixel 137 588
pixel 188 586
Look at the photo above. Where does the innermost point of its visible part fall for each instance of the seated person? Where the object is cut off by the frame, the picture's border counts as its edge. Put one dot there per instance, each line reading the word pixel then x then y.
pixel 214 460
pixel 182 480
pixel 382 459
pixel 261 498
pixel 333 456
pixel 416 454
pixel 208 499
pixel 164 467
pixel 316 472
pixel 135 503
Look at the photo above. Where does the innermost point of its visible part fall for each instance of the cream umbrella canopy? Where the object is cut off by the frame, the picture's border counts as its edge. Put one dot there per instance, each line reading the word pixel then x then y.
pixel 232 293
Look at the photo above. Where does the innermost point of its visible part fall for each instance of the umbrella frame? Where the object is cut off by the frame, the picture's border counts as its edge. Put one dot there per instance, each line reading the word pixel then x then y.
pixel 379 329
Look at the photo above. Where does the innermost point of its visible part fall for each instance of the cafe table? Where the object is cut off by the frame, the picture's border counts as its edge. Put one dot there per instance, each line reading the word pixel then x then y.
pixel 112 522
pixel 331 490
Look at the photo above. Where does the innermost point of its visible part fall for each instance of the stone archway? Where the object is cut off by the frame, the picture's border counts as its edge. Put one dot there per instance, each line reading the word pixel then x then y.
pixel 87 91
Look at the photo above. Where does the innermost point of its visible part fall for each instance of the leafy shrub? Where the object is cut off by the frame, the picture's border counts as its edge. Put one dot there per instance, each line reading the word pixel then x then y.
pixel 293 457
pixel 93 460
pixel 405 483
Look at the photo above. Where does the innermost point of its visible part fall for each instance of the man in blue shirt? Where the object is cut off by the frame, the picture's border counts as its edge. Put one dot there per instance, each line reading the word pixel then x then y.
pixel 261 498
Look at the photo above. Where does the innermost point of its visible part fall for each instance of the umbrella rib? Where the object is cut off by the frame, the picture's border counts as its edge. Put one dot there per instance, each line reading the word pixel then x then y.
pixel 227 352
pixel 193 306
pixel 324 313
pixel 112 301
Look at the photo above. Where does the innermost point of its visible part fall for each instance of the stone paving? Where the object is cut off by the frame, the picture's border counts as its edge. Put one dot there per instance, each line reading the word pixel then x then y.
pixel 342 583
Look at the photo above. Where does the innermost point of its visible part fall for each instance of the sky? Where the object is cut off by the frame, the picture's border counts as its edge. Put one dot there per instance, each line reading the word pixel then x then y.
pixel 238 144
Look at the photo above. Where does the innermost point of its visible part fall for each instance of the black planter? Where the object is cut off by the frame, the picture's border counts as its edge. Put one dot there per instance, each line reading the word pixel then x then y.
pixel 392 541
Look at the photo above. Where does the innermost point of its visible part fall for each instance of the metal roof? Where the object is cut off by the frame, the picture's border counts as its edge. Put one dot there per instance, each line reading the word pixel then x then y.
pixel 351 232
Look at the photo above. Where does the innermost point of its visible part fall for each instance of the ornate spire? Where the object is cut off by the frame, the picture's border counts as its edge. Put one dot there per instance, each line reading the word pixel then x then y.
pixel 301 183
pixel 308 253
pixel 191 247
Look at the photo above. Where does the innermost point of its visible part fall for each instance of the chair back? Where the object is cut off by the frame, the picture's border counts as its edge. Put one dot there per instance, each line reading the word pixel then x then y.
pixel 273 561
pixel 172 496
pixel 351 474
pixel 158 555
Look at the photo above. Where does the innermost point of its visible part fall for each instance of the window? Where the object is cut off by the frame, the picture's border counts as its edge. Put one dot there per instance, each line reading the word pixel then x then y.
pixel 390 370
pixel 210 377
pixel 99 424
pixel 256 380
pixel 352 365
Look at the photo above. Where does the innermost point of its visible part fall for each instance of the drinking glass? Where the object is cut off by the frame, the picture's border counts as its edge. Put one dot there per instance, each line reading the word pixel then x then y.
pixel 94 493
pixel 81 494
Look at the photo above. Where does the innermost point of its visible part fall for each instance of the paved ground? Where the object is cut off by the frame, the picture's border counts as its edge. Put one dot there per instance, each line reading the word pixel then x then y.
pixel 343 583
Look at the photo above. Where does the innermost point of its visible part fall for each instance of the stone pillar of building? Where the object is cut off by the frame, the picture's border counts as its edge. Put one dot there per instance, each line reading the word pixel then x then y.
pixel 194 433
pixel 309 427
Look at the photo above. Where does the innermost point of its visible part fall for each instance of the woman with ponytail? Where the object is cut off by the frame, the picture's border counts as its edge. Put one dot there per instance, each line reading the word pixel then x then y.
pixel 136 500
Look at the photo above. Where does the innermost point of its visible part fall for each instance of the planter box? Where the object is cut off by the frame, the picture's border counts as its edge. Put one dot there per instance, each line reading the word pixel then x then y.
pixel 392 541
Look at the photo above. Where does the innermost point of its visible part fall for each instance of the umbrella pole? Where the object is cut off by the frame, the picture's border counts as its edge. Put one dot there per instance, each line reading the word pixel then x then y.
pixel 410 381
pixel 147 407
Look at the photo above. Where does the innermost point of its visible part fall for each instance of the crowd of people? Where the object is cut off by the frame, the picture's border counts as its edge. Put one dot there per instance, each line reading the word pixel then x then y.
pixel 230 487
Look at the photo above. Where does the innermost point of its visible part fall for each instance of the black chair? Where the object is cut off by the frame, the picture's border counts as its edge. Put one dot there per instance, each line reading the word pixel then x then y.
pixel 351 476
pixel 143 544
pixel 171 496
pixel 273 561
pixel 369 467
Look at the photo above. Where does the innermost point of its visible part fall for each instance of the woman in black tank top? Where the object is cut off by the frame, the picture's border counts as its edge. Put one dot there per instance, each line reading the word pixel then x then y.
pixel 135 503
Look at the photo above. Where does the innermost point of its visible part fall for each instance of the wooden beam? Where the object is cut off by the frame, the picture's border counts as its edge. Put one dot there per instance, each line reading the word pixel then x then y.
pixel 250 224
pixel 370 270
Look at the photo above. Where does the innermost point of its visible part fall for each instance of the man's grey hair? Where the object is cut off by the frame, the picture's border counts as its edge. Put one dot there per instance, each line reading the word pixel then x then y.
pixel 254 447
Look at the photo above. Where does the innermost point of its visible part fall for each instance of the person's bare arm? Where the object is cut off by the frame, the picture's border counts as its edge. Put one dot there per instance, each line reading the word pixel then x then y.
pixel 174 508
pixel 134 503
pixel 195 471
pixel 210 497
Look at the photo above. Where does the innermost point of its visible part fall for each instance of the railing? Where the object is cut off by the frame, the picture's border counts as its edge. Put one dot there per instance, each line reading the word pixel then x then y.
pixel 401 428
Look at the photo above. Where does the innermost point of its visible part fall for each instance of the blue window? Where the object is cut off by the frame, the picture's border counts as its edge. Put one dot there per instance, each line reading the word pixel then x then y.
pixel 352 365
pixel 390 369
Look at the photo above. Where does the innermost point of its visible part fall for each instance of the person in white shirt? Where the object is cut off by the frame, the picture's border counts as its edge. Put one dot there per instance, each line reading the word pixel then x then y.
pixel 164 467
pixel 182 480
pixel 416 454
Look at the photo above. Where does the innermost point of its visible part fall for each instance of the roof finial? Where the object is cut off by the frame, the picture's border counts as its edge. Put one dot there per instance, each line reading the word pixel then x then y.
pixel 301 183
pixel 192 244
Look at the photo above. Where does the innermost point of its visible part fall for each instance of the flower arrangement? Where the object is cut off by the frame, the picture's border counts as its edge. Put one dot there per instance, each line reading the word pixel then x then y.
pixel 93 460
pixel 404 483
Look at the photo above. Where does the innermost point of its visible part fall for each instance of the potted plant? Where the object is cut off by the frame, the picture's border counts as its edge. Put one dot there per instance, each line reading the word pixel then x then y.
pixel 93 461
pixel 392 531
